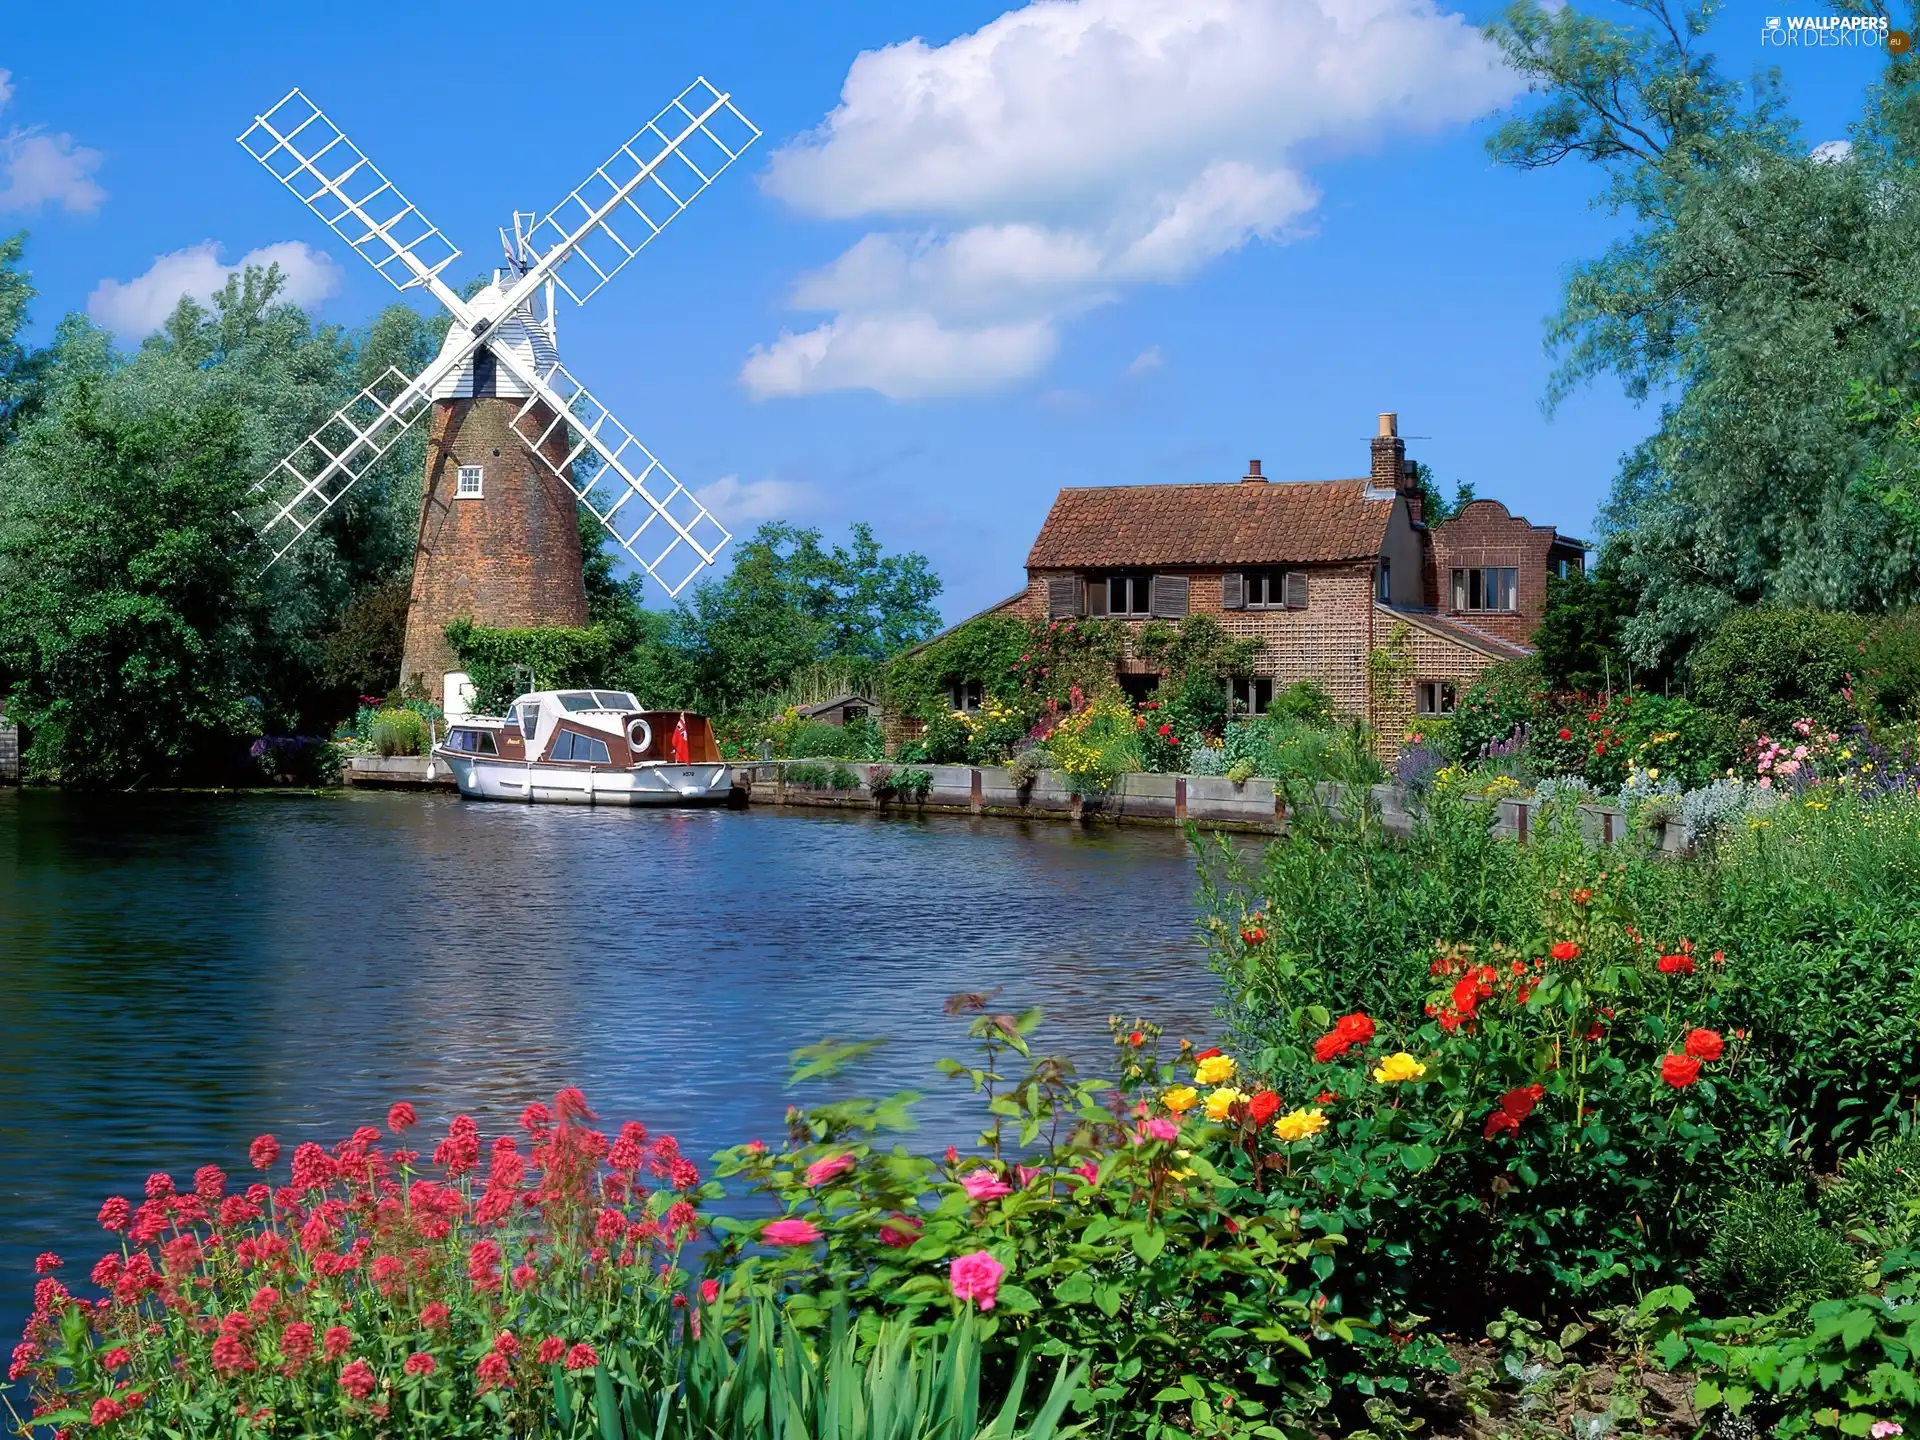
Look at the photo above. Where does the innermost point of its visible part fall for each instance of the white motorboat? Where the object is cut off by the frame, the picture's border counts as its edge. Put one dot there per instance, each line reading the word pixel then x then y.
pixel 586 747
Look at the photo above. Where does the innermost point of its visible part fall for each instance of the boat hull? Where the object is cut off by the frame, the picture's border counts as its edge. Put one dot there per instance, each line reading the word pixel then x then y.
pixel 653 783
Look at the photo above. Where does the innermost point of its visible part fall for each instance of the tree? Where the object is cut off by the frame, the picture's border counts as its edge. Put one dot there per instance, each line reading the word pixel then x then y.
pixel 139 641
pixel 1760 288
pixel 1579 640
pixel 789 601
pixel 1435 510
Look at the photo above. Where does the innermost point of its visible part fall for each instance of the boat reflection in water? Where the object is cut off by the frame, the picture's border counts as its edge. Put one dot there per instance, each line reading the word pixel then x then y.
pixel 586 747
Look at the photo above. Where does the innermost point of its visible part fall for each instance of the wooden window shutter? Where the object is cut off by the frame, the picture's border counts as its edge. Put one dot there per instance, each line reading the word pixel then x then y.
pixel 1233 591
pixel 1169 597
pixel 1296 590
pixel 1097 596
pixel 1063 597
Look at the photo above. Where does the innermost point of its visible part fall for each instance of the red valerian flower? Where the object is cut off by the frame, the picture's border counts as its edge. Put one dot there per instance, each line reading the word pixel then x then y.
pixel 434 1315
pixel 1679 1071
pixel 1261 1107
pixel 1565 950
pixel 296 1343
pixel 1705 1044
pixel 46 1263
pixel 105 1411
pixel 551 1349
pixel 263 1152
pixel 582 1357
pixel 337 1341
pixel 1582 896
pixel 420 1363
pixel 115 1213
pixel 356 1378
pixel 523 1276
pixel 117 1357
pixel 493 1371
pixel 210 1183
pixel 401 1117
pixel 1675 965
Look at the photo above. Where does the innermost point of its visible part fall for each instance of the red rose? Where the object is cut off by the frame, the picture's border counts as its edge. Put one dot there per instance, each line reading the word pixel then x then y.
pixel 1679 1071
pixel 1261 1107
pixel 1500 1123
pixel 1705 1044
pixel 1675 965
pixel 1519 1101
pixel 1565 950
pixel 1566 734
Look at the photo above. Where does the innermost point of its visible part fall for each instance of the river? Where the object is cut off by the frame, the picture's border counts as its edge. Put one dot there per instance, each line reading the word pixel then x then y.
pixel 179 974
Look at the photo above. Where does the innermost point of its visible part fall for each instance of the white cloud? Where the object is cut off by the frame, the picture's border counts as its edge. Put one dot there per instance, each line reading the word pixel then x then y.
pixel 39 169
pixel 1146 362
pixel 137 307
pixel 1831 152
pixel 1072 148
pixel 735 502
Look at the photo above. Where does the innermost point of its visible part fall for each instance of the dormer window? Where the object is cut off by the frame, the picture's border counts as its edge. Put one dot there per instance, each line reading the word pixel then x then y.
pixel 470 482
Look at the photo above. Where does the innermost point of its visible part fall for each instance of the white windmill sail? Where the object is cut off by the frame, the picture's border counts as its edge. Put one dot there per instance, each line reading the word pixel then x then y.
pixel 612 215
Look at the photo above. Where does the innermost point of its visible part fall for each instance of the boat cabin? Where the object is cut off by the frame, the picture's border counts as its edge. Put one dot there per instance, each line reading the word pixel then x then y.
pixel 594 729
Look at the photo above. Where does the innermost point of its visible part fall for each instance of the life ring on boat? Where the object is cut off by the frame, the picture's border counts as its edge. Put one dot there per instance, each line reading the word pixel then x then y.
pixel 639 735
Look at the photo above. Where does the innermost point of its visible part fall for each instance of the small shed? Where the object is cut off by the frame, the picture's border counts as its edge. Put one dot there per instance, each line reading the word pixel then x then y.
pixel 840 710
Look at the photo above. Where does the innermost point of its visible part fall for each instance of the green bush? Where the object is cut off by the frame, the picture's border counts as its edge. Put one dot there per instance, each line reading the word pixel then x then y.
pixel 558 657
pixel 1306 702
pixel 1767 668
pixel 817 740
pixel 398 732
pixel 1768 1250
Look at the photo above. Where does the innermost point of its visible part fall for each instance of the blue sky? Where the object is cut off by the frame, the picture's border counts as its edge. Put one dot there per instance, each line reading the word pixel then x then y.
pixel 1084 242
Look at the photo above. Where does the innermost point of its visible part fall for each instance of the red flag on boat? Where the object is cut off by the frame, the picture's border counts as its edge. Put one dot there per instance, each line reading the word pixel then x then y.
pixel 681 750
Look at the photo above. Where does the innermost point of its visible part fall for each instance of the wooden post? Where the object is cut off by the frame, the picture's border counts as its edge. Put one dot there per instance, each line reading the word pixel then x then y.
pixel 1179 798
pixel 1606 826
pixel 1523 819
pixel 976 791
pixel 1279 809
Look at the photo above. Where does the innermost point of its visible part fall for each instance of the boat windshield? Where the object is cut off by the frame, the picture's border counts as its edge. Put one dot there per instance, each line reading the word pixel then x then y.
pixel 571 700
pixel 617 700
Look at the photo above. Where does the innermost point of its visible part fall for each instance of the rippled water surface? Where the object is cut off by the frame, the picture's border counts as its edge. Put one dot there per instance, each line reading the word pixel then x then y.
pixel 180 974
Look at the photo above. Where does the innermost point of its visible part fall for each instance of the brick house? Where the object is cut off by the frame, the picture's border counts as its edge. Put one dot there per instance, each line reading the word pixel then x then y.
pixel 1329 573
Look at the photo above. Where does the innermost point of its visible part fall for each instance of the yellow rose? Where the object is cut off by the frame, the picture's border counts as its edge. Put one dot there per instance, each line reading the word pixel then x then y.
pixel 1221 1102
pixel 1180 1099
pixel 1214 1070
pixel 1299 1125
pixel 1396 1068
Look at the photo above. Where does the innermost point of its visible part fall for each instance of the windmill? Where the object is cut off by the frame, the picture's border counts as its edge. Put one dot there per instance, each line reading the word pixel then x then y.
pixel 516 446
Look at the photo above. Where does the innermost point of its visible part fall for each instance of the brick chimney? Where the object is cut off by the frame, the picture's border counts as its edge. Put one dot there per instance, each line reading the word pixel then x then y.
pixel 1391 468
pixel 1253 475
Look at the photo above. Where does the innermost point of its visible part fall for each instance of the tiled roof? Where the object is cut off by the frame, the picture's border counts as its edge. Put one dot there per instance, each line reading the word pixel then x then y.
pixel 1311 522
pixel 1464 632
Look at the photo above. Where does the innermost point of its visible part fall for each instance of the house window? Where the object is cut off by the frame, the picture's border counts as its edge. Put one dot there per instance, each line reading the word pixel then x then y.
pixel 967 695
pixel 581 749
pixel 1252 694
pixel 1385 591
pixel 1487 587
pixel 1567 566
pixel 468 486
pixel 1130 594
pixel 1434 697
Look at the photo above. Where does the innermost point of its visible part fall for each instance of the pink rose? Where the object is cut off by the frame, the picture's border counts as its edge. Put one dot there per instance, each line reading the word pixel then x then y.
pixel 1088 1172
pixel 790 1232
pixel 899 1231
pixel 984 1185
pixel 1026 1174
pixel 976 1277
pixel 821 1171
pixel 1161 1128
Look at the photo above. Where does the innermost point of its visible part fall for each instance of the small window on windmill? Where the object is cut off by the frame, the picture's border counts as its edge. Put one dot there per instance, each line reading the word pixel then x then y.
pixel 469 485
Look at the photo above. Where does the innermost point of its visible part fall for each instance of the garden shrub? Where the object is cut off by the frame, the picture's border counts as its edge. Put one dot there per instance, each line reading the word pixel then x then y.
pixel 792 738
pixel 398 732
pixel 1095 745
pixel 1767 668
pixel 1768 1250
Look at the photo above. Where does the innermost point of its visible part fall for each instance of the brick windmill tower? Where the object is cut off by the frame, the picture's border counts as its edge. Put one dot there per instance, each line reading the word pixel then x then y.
pixel 517 446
